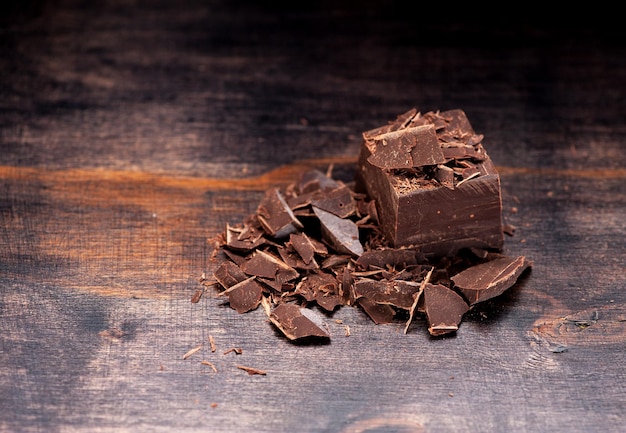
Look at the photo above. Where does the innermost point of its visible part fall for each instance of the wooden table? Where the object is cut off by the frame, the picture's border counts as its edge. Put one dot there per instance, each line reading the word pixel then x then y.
pixel 130 135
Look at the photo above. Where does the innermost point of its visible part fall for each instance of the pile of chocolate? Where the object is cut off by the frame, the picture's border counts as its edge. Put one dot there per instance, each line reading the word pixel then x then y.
pixel 418 231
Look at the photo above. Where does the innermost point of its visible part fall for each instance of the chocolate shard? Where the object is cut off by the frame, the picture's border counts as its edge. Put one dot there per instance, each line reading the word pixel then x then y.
pixel 228 274
pixel 307 247
pixel 298 323
pixel 490 279
pixel 244 296
pixel 444 309
pixel 275 215
pixel 405 148
pixel 290 256
pixel 445 176
pixel 244 239
pixel 401 122
pixel 341 234
pixel 263 264
pixel 379 313
pixel 397 293
pixel 315 180
pixel 338 201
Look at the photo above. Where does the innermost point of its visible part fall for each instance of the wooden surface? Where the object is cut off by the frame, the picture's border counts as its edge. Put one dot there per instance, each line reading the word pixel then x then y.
pixel 132 132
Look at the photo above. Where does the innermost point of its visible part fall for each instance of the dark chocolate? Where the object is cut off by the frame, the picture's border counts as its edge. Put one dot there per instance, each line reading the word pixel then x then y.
pixel 228 274
pixel 397 293
pixel 444 309
pixel 297 323
pixel 244 296
pixel 275 215
pixel 425 205
pixel 428 208
pixel 490 279
pixel 405 148
pixel 340 233
pixel 263 264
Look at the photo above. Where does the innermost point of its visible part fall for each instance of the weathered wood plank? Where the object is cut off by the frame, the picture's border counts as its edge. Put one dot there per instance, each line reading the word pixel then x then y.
pixel 130 135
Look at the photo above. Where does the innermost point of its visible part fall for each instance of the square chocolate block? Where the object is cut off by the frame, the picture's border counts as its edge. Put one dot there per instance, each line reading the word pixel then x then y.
pixel 439 198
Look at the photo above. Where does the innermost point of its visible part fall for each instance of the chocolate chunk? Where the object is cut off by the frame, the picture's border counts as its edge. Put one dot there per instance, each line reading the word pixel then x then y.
pixel 444 309
pixel 298 323
pixel 315 180
pixel 401 122
pixel 438 217
pixel 490 279
pixel 291 258
pixel 276 216
pixel 340 233
pixel 244 296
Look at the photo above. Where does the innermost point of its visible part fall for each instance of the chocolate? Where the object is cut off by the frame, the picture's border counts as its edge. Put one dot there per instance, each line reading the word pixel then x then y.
pixel 397 293
pixel 426 205
pixel 418 232
pixel 490 279
pixel 444 309
pixel 244 296
pixel 297 323
pixel 228 274
pixel 340 233
pixel 263 264
pixel 275 216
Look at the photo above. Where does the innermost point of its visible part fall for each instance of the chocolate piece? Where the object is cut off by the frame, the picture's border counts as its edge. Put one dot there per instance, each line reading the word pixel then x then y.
pixel 244 296
pixel 396 258
pixel 307 247
pixel 244 239
pixel 228 274
pixel 340 233
pixel 438 217
pixel 397 293
pixel 379 313
pixel 490 279
pixel 444 309
pixel 315 180
pixel 276 216
pixel 322 288
pixel 297 323
pixel 405 148
pixel 263 264
pixel 338 201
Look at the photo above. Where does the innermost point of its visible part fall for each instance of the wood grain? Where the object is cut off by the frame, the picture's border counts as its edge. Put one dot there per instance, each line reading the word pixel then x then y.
pixel 132 133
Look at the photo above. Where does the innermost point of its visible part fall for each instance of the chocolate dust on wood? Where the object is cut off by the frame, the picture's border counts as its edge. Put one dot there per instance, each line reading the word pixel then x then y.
pixel 418 232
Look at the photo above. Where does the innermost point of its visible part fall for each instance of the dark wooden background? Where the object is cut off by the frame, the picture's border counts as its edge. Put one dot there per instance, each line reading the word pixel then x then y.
pixel 132 132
